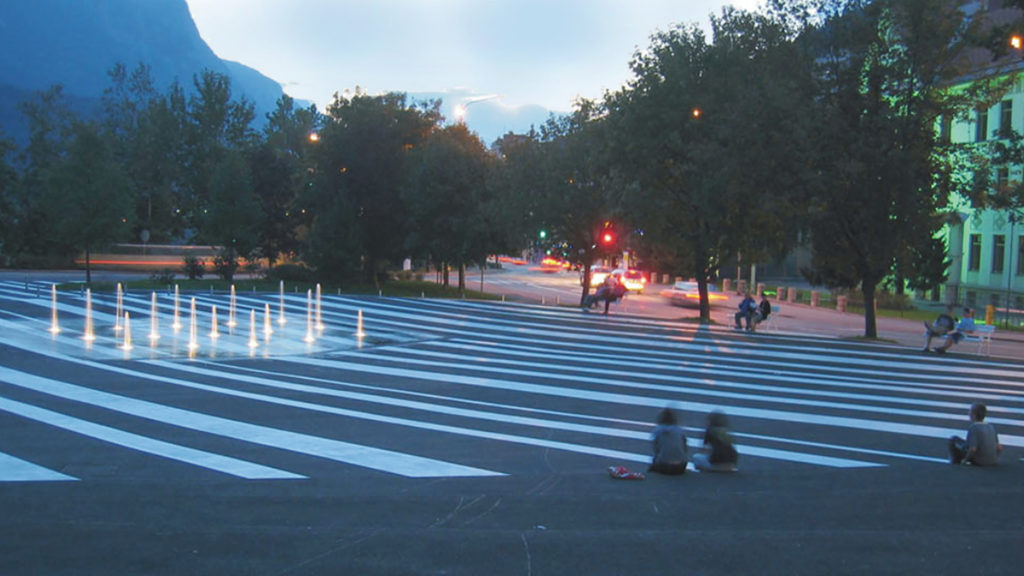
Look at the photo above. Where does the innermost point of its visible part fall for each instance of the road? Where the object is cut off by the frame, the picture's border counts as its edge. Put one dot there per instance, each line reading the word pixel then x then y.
pixel 462 437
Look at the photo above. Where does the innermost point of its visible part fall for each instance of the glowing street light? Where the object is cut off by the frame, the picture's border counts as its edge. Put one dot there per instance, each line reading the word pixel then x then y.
pixel 1016 41
pixel 460 109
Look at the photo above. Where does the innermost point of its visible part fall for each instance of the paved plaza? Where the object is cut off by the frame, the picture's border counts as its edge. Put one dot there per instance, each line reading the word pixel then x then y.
pixel 415 436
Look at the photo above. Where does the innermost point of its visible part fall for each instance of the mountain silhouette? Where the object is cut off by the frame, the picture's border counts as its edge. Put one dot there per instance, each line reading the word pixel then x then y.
pixel 75 43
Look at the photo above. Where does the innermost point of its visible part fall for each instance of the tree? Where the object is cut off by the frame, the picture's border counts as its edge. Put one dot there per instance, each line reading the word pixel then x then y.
pixel 233 214
pixel 446 193
pixel 358 223
pixel 279 168
pixel 886 70
pixel 149 135
pixel 708 142
pixel 8 196
pixel 88 201
pixel 215 124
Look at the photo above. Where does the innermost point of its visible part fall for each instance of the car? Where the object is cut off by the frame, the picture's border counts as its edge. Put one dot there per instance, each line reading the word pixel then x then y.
pixel 597 275
pixel 631 278
pixel 686 293
pixel 551 264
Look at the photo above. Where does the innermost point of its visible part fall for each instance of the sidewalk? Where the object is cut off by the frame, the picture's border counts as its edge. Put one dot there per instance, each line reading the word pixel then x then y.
pixel 905 333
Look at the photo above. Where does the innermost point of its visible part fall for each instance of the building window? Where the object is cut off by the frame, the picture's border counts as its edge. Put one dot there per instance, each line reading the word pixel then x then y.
pixel 1002 178
pixel 998 253
pixel 1005 118
pixel 1020 251
pixel 971 298
pixel 981 126
pixel 974 254
pixel 945 130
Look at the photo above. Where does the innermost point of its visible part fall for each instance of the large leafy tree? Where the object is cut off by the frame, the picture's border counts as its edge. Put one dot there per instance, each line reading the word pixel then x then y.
pixel 8 195
pixel 215 124
pixel 580 200
pixel 708 141
pixel 232 216
pixel 886 68
pixel 88 202
pixel 358 223
pixel 148 132
pixel 446 192
pixel 279 167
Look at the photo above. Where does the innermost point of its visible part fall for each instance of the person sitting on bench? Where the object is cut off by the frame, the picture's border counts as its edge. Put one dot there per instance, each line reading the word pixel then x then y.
pixel 963 327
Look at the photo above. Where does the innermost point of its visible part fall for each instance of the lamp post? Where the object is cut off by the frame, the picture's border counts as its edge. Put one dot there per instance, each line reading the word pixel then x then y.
pixel 1014 217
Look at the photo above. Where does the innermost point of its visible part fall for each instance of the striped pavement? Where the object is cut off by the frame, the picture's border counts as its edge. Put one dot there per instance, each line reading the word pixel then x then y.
pixel 449 388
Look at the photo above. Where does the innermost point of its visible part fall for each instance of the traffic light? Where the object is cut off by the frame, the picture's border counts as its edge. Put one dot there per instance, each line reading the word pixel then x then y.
pixel 542 234
pixel 607 235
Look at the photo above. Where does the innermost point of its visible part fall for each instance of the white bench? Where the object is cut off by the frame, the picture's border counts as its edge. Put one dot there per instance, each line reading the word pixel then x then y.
pixel 982 335
pixel 769 324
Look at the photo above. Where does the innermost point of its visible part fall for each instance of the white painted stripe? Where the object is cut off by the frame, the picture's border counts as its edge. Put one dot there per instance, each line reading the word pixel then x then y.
pixel 659 402
pixel 503 418
pixel 608 421
pixel 17 470
pixel 356 454
pixel 209 460
pixel 631 370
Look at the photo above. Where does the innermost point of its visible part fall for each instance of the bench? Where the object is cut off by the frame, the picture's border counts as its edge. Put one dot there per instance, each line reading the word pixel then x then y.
pixel 769 323
pixel 982 335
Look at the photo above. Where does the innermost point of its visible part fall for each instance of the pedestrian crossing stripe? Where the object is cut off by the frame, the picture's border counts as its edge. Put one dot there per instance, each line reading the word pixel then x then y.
pixel 216 462
pixel 347 452
pixel 14 469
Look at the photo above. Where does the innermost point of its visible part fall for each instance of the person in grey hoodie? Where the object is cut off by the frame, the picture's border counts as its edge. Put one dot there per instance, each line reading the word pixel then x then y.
pixel 669 442
pixel 982 447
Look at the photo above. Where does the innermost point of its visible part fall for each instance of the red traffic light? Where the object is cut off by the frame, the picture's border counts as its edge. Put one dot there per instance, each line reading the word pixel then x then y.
pixel 608 238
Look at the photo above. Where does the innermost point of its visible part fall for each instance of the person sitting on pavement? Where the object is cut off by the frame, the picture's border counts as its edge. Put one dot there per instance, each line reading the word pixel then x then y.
pixel 982 447
pixel 943 325
pixel 964 327
pixel 746 311
pixel 763 311
pixel 719 452
pixel 669 442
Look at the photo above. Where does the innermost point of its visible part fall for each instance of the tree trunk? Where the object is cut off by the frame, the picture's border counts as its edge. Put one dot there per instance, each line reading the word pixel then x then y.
pixel 870 324
pixel 462 277
pixel 88 267
pixel 586 283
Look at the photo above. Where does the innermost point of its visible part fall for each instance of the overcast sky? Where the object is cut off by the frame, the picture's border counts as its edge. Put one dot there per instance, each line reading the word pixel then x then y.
pixel 544 52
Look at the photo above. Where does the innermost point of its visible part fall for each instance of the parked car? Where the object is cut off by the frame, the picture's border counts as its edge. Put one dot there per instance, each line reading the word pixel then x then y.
pixel 686 293
pixel 632 279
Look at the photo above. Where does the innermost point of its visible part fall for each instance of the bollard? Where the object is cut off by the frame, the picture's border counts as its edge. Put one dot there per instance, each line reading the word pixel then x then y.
pixel 841 303
pixel 780 293
pixel 741 287
pixel 725 284
pixel 815 298
pixel 792 295
pixel 760 288
pixel 990 315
